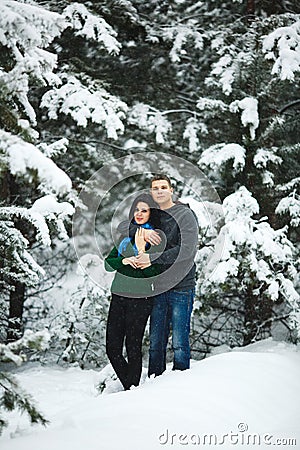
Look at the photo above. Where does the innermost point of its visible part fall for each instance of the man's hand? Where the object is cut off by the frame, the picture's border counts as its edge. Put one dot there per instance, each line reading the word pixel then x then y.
pixel 143 261
pixel 152 237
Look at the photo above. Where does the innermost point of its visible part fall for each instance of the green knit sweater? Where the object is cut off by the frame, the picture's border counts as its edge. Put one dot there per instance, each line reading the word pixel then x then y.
pixel 127 280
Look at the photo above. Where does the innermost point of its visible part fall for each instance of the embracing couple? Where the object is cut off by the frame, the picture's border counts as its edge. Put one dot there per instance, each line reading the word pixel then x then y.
pixel 155 276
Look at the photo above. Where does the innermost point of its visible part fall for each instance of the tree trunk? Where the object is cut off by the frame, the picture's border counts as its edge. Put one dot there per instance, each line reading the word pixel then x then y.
pixel 8 191
pixel 250 319
pixel 250 7
pixel 4 186
pixel 257 318
pixel 16 306
pixel 265 317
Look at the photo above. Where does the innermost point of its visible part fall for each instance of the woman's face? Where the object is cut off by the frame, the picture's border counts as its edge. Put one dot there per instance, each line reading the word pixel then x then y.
pixel 141 213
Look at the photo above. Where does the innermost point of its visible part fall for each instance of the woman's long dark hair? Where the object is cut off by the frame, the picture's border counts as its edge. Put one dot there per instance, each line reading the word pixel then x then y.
pixel 154 219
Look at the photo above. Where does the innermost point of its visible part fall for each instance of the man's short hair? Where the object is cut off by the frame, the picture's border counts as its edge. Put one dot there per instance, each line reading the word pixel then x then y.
pixel 161 176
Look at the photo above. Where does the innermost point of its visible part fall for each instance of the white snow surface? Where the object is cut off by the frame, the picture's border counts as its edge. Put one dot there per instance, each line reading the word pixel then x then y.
pixel 245 395
pixel 48 205
pixel 24 157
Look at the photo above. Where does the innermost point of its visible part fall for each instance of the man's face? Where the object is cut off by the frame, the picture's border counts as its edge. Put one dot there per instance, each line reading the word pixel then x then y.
pixel 162 193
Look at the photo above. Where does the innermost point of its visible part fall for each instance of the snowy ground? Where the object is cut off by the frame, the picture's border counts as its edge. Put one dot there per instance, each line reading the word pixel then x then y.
pixel 242 399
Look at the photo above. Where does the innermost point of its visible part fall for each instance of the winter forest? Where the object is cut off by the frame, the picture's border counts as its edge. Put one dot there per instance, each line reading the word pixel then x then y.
pixel 83 84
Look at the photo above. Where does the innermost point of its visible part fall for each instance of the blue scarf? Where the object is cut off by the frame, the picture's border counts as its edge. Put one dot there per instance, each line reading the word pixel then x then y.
pixel 124 243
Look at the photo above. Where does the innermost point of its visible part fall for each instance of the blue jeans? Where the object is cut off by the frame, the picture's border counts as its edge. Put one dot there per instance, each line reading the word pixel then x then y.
pixel 171 309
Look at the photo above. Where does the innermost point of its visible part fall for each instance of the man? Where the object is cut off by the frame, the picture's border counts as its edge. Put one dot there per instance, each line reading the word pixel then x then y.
pixel 173 305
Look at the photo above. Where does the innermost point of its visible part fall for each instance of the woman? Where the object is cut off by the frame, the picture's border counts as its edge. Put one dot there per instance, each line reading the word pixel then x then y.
pixel 131 289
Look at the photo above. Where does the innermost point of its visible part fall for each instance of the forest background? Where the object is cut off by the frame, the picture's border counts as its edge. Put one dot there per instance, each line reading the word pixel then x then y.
pixel 82 84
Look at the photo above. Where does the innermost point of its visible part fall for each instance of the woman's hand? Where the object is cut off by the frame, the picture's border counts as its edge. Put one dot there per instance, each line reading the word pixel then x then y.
pixel 139 240
pixel 131 261
pixel 143 261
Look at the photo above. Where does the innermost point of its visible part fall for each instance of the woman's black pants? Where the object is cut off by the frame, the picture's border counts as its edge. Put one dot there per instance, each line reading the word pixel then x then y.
pixel 127 319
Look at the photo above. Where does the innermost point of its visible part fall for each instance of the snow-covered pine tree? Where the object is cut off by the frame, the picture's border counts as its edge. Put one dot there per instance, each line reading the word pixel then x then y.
pixel 255 74
pixel 30 181
pixel 12 396
pixel 185 77
pixel 28 217
pixel 46 89
pixel 256 272
pixel 199 82
pixel 229 75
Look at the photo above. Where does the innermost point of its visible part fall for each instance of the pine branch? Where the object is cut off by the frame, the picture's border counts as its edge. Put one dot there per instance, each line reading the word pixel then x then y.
pixel 188 111
pixel 288 106
pixel 13 397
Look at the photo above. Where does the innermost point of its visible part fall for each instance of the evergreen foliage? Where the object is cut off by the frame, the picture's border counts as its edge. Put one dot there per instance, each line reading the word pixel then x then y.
pixel 215 83
pixel 12 396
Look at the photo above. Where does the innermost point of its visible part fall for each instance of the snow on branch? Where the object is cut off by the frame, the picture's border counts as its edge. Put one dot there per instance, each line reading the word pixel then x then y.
pixel 234 57
pixel 36 63
pixel 12 352
pixel 54 149
pixel 249 116
pixel 193 127
pixel 35 219
pixel 226 70
pixel 25 29
pixel 49 208
pixel 255 257
pixel 12 396
pixel 45 209
pixel 211 106
pixel 26 26
pixel 84 104
pixel 216 156
pixel 291 185
pixel 24 159
pixel 283 47
pixel 240 204
pixel 92 27
pixel 262 159
pixel 290 205
pixel 180 35
pixel 150 119
pixel 264 156
pixel 19 266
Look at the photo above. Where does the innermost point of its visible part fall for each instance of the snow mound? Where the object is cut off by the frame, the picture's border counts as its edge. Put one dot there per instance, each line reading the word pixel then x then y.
pixel 229 399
